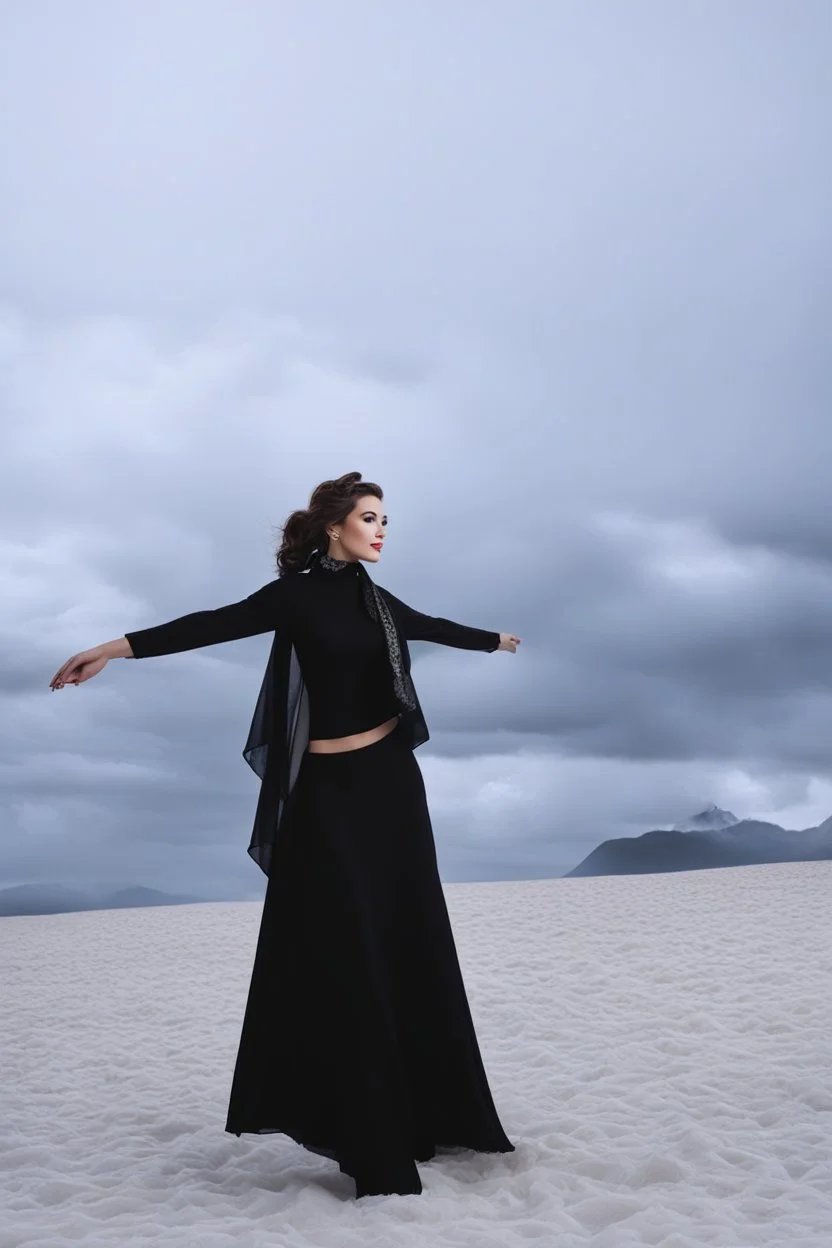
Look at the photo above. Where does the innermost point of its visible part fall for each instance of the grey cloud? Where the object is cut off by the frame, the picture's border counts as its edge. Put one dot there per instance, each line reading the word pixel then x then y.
pixel 560 285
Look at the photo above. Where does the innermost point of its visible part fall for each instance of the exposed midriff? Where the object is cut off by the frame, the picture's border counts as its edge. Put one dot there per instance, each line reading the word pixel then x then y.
pixel 336 745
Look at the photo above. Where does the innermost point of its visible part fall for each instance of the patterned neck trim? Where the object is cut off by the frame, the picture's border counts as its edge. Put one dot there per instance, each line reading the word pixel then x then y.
pixel 336 565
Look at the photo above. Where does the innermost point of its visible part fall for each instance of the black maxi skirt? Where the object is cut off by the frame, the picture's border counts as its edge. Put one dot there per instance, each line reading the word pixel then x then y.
pixel 357 1039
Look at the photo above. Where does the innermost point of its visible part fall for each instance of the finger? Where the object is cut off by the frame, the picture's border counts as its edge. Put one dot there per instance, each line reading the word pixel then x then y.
pixel 64 672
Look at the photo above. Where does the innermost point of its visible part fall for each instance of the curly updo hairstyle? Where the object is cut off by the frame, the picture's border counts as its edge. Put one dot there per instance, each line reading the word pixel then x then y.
pixel 306 529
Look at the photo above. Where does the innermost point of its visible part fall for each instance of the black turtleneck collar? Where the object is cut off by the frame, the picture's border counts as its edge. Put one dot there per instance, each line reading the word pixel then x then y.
pixel 325 564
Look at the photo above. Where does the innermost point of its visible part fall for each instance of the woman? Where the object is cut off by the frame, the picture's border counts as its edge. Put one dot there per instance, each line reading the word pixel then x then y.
pixel 357 1039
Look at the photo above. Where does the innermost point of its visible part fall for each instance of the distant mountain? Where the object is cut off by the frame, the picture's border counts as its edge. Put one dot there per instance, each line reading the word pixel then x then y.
pixel 745 842
pixel 43 899
pixel 127 898
pixel 712 818
pixel 58 899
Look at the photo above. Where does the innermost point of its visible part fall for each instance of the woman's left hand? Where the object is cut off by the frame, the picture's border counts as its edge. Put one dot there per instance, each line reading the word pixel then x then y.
pixel 508 641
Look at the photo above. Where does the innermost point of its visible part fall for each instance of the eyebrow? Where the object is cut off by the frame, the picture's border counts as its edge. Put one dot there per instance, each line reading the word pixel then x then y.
pixel 369 512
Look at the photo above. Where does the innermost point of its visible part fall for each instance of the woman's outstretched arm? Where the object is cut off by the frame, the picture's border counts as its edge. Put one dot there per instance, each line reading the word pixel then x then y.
pixel 418 627
pixel 260 612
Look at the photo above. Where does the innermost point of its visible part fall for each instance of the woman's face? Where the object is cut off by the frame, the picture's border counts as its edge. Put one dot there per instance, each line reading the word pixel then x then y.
pixel 362 533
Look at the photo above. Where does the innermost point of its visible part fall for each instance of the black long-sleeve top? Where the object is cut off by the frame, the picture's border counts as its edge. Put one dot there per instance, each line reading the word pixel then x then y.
pixel 341 650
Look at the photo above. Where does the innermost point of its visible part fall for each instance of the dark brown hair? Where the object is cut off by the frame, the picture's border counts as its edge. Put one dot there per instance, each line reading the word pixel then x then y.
pixel 305 530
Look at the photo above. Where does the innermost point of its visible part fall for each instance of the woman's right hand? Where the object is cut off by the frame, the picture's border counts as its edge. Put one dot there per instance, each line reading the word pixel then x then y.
pixel 80 667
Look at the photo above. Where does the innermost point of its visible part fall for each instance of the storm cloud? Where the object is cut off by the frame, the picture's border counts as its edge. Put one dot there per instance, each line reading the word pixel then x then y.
pixel 560 284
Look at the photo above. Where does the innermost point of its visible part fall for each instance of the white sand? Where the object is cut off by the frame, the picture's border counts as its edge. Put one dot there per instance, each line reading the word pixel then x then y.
pixel 659 1048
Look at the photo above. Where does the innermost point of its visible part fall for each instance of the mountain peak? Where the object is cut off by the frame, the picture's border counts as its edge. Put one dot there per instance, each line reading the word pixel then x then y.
pixel 712 818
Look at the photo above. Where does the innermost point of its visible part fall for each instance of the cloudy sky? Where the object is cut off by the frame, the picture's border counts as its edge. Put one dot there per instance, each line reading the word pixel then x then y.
pixel 555 274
